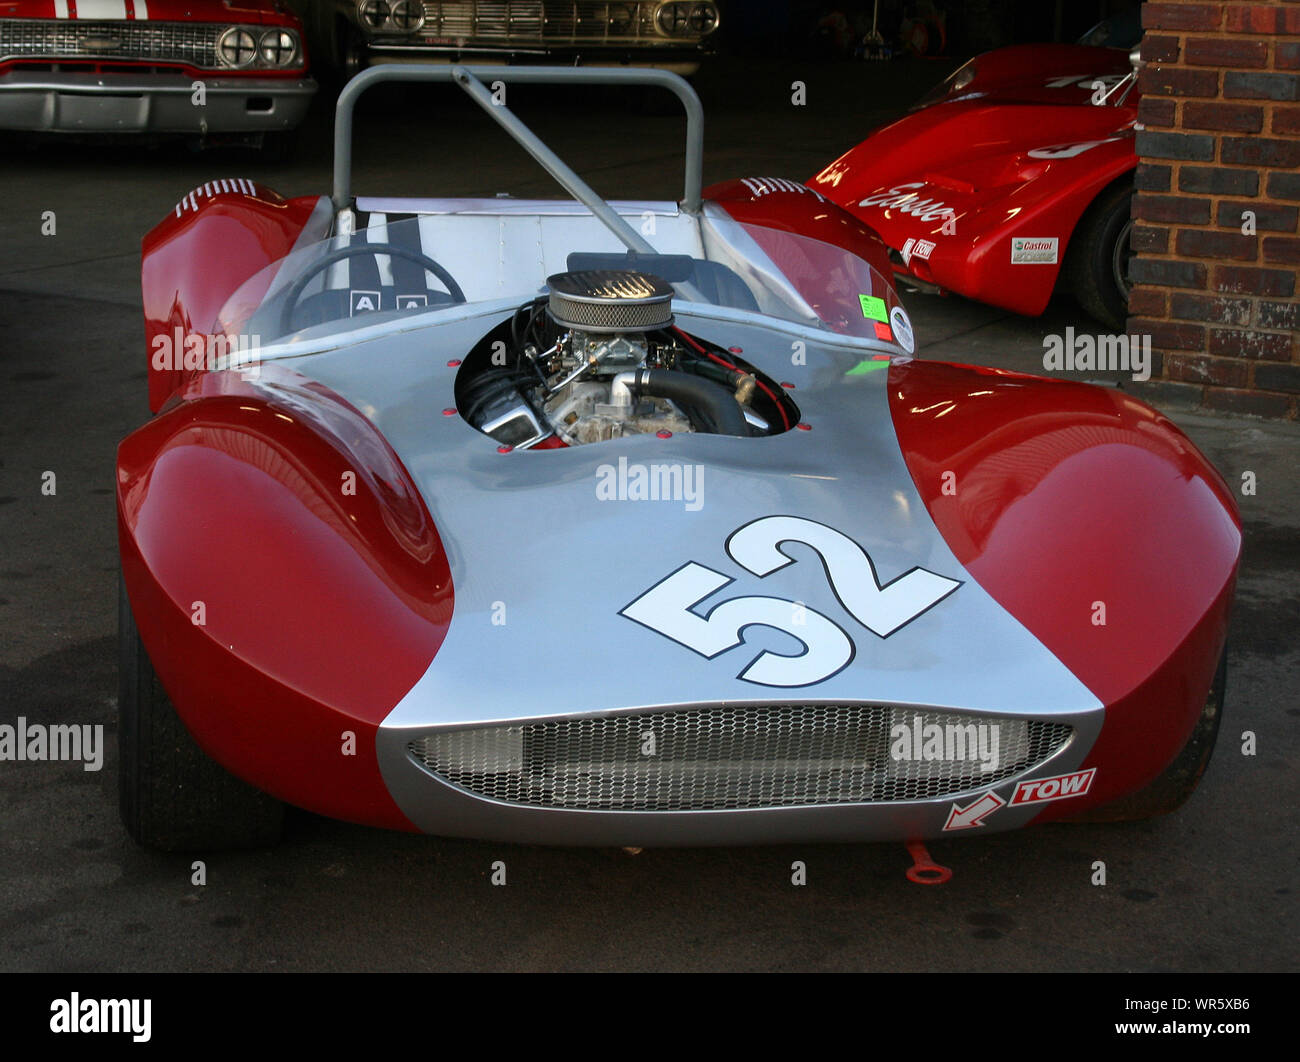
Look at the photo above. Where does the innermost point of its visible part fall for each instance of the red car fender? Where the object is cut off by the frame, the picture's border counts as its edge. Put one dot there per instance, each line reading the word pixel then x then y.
pixel 281 564
pixel 1035 171
pixel 1037 486
pixel 216 238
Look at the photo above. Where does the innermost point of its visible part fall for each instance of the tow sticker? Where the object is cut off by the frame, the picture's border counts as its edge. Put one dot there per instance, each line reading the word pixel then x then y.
pixel 1061 787
pixel 974 813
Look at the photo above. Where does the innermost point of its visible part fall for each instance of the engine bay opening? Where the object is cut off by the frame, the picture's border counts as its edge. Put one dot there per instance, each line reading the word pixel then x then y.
pixel 598 357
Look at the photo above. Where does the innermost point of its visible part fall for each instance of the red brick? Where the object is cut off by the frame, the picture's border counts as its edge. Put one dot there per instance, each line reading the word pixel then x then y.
pixel 1169 335
pixel 1269 217
pixel 1245 85
pixel 1247 280
pixel 1175 81
pixel 1224 372
pixel 1171 208
pixel 1259 151
pixel 1147 302
pixel 1213 308
pixel 1234 117
pixel 1203 243
pixel 1167 274
pixel 1260 18
pixel 1150 177
pixel 1278 378
pixel 1155 111
pixel 1281 249
pixel 1159 49
pixel 1148 239
pixel 1217 181
pixel 1182 16
pixel 1238 343
pixel 1274 315
pixel 1286 55
pixel 1259 405
pixel 1286 120
pixel 1203 51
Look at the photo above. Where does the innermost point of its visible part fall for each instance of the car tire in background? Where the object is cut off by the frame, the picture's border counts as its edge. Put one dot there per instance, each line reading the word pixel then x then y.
pixel 1098 259
pixel 173 796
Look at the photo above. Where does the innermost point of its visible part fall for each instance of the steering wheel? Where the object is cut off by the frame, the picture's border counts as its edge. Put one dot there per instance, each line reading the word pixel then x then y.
pixel 354 250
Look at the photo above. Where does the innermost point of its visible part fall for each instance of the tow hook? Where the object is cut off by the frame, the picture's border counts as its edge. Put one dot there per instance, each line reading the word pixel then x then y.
pixel 924 870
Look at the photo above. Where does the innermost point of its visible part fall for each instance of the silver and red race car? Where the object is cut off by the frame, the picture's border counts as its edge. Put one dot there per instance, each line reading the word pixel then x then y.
pixel 157 66
pixel 1013 178
pixel 631 523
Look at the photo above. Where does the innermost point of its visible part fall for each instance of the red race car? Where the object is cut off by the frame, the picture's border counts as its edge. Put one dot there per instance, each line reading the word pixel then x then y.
pixel 1012 177
pixel 158 66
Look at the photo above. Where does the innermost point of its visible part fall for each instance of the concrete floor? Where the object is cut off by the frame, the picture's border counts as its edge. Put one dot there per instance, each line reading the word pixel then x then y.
pixel 1209 888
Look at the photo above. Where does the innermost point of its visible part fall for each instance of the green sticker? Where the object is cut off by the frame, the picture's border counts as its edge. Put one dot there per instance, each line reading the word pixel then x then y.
pixel 871 365
pixel 873 308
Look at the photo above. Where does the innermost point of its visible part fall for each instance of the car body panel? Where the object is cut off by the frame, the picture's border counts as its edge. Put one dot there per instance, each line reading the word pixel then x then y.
pixel 1034 154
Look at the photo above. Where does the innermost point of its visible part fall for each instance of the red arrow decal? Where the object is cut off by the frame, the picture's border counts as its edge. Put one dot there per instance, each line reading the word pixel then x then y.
pixel 972 814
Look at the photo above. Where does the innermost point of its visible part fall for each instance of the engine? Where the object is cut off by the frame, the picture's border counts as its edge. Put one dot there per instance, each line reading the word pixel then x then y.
pixel 599 357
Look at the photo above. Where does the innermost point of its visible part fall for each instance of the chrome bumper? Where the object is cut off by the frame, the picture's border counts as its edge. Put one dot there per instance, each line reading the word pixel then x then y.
pixel 131 103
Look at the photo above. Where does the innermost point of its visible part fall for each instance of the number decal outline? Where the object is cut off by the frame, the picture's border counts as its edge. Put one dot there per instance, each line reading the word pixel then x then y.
pixel 671 606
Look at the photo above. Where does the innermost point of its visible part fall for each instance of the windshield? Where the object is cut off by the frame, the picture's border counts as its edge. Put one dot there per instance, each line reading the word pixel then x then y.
pixel 409 269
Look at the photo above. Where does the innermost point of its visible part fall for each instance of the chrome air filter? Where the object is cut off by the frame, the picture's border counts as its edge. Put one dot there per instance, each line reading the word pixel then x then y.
pixel 610 300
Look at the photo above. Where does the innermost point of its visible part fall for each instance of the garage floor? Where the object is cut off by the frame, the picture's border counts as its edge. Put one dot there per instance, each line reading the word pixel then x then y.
pixel 1209 888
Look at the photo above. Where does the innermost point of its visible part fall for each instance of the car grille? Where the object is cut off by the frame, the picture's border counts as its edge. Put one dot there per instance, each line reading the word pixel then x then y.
pixel 532 22
pixel 747 756
pixel 192 44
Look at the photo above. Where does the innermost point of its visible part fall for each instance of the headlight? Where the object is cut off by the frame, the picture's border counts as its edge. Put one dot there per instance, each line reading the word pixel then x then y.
pixel 278 48
pixel 253 48
pixel 687 19
pixel 236 47
pixel 407 15
pixel 373 13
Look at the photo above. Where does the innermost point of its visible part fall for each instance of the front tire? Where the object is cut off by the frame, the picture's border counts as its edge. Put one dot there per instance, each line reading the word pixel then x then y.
pixel 1179 780
pixel 173 796
pixel 1100 254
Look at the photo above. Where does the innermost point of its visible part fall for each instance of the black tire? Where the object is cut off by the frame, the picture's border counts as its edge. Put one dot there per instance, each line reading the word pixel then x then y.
pixel 1171 790
pixel 1099 256
pixel 173 796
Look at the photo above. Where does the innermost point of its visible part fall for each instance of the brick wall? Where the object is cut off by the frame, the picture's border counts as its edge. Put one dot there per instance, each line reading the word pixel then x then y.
pixel 1221 115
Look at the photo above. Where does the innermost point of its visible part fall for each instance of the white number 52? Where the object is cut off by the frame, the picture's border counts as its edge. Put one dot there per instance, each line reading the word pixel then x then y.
pixel 667 606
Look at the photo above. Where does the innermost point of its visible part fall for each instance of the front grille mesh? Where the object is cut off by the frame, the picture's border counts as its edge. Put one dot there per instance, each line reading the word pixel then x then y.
pixel 747 756
pixel 535 22
pixel 191 43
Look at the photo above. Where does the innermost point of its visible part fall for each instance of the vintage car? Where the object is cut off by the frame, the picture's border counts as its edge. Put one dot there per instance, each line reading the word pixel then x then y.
pixel 664 34
pixel 1013 178
pixel 631 523
pixel 203 67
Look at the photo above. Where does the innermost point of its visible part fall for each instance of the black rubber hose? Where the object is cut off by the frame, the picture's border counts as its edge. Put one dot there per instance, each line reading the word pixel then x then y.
pixel 712 400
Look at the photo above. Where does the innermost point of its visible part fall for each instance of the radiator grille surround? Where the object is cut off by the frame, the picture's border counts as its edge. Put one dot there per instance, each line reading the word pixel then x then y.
pixel 193 44
pixel 732 757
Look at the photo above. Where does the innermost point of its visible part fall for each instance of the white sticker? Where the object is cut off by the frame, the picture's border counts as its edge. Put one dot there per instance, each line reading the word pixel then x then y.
pixel 902 329
pixel 1034 250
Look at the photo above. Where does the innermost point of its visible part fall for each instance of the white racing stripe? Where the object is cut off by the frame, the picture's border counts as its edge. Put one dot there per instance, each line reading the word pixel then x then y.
pixel 377 232
pixel 141 10
pixel 105 9
pixel 60 8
